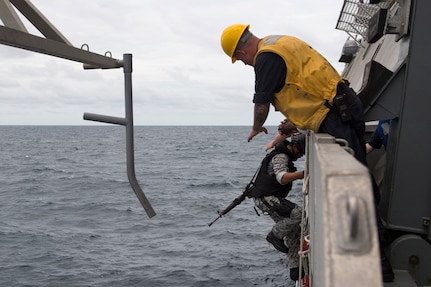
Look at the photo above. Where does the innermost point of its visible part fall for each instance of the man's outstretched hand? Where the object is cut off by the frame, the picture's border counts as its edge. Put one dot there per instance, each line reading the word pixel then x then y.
pixel 254 133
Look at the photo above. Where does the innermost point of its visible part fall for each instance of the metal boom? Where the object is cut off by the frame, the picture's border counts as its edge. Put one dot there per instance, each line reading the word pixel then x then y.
pixel 55 44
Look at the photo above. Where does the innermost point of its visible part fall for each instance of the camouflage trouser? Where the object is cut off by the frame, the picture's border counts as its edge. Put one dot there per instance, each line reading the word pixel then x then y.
pixel 286 228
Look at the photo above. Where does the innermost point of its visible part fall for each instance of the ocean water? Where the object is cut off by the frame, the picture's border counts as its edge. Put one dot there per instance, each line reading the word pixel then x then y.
pixel 68 216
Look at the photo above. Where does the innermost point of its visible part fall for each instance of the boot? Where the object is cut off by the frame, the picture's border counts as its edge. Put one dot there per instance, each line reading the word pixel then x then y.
pixel 277 243
pixel 294 274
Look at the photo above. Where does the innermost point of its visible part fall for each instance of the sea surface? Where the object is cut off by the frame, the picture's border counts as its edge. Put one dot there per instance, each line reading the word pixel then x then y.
pixel 69 217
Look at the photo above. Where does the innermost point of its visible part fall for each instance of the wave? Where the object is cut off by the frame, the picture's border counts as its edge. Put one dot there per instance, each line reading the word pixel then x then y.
pixel 70 217
pixel 213 185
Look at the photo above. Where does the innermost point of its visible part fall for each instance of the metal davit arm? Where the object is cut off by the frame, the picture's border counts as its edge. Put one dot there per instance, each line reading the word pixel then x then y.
pixel 55 44
pixel 128 123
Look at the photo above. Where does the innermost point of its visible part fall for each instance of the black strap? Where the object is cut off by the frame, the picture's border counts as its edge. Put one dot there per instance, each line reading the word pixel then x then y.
pixel 253 179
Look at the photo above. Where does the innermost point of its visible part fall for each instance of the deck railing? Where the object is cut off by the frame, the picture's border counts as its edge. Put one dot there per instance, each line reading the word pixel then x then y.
pixel 339 220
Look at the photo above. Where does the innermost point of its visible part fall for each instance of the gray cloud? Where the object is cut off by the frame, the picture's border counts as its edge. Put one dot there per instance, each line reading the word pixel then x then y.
pixel 180 74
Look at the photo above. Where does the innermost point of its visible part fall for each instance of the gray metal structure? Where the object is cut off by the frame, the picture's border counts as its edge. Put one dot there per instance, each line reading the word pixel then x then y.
pixel 55 44
pixel 339 217
pixel 390 71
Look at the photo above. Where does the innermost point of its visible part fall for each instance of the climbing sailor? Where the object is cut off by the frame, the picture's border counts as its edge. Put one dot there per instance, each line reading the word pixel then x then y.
pixel 272 185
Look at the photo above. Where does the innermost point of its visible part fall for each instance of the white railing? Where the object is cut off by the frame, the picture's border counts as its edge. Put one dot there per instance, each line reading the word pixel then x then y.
pixel 354 18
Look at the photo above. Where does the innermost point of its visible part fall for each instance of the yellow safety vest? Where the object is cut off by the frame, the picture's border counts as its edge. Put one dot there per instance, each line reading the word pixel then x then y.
pixel 310 81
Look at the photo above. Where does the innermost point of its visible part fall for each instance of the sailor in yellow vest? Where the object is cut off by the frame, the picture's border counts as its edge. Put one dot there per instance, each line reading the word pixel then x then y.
pixel 300 83
pixel 305 88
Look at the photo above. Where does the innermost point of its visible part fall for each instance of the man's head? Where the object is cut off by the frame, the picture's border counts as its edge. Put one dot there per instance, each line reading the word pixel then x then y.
pixel 298 143
pixel 239 43
pixel 296 146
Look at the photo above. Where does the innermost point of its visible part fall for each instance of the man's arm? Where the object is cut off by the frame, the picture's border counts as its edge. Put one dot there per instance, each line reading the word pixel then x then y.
pixel 278 138
pixel 260 114
pixel 283 176
pixel 285 130
pixel 270 72
pixel 375 142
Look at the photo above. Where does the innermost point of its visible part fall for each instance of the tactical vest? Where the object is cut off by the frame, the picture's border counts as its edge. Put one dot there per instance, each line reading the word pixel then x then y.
pixel 266 184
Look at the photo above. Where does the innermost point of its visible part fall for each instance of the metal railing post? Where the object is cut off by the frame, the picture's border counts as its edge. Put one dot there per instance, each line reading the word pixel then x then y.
pixel 127 59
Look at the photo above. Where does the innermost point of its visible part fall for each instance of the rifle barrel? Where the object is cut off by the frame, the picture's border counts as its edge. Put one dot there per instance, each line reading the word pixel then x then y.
pixel 237 201
pixel 211 223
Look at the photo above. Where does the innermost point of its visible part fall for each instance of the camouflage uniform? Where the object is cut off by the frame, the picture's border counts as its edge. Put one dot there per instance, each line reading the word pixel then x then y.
pixel 285 228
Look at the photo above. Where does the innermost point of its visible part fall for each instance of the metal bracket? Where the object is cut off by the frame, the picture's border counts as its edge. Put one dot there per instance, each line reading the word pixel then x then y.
pixel 128 123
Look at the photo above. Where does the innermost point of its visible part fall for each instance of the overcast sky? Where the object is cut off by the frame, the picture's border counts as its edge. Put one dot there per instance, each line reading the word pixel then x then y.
pixel 180 74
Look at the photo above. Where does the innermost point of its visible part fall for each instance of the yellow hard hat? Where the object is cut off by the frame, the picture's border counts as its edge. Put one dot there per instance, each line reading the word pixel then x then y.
pixel 230 38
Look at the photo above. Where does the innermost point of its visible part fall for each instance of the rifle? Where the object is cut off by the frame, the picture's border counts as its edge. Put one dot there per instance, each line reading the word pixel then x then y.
pixel 237 201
